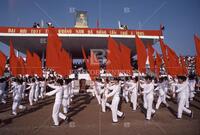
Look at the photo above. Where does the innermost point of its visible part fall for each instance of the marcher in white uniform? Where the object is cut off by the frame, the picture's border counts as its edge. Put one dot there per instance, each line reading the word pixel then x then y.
pixel 66 96
pixel 148 91
pixel 125 91
pixel 24 88
pixel 58 91
pixel 37 90
pixel 192 84
pixel 161 88
pixel 2 90
pixel 115 101
pixel 17 96
pixel 133 89
pixel 183 88
pixel 104 98
pixel 42 88
pixel 31 91
pixel 98 90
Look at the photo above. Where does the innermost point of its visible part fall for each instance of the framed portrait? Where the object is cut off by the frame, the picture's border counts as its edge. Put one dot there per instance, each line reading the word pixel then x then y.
pixel 81 19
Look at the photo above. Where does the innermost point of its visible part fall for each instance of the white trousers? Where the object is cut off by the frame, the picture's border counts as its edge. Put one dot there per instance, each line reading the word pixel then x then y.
pixel 31 96
pixel 56 113
pixel 134 100
pixel 182 108
pixel 149 104
pixel 161 99
pixel 114 109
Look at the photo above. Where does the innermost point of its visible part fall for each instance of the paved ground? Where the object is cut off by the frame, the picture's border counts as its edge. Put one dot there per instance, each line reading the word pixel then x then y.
pixel 87 119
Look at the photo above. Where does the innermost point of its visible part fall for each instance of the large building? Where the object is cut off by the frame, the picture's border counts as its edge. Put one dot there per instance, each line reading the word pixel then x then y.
pixel 35 39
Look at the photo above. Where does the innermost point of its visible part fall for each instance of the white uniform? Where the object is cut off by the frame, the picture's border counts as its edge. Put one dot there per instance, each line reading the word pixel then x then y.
pixel 104 99
pixel 2 91
pixel 58 91
pixel 115 101
pixel 17 96
pixel 31 92
pixel 148 91
pixel 125 93
pixel 192 84
pixel 42 89
pixel 162 94
pixel 37 90
pixel 23 89
pixel 182 98
pixel 133 89
pixel 98 91
pixel 66 97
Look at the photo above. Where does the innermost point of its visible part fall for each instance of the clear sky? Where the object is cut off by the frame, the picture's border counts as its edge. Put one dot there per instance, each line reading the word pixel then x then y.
pixel 181 18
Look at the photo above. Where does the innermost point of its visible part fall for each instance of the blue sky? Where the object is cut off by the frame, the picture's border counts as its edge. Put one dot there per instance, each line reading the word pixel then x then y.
pixel 180 17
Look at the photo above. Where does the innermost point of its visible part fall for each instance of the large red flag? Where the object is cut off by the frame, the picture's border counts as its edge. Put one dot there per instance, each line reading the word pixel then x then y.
pixel 158 63
pixel 113 64
pixel 53 51
pixel 29 63
pixel 164 54
pixel 2 63
pixel 94 68
pixel 13 61
pixel 197 65
pixel 183 66
pixel 141 54
pixel 173 61
pixel 125 56
pixel 151 57
pixel 37 65
pixel 22 66
pixel 197 44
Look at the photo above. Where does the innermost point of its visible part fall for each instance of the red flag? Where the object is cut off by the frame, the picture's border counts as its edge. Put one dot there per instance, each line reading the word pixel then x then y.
pixel 197 65
pixel 2 63
pixel 151 57
pixel 13 61
pixel 29 63
pixel 125 56
pixel 197 44
pixel 183 66
pixel 164 54
pixel 158 63
pixel 22 66
pixel 141 54
pixel 113 64
pixel 173 61
pixel 53 50
pixel 37 68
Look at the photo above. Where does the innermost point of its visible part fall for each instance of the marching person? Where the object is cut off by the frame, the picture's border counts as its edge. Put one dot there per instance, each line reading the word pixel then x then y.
pixel 161 88
pixel 58 92
pixel 17 96
pixel 115 88
pixel 32 86
pixel 37 90
pixel 148 91
pixel 2 90
pixel 182 91
pixel 133 89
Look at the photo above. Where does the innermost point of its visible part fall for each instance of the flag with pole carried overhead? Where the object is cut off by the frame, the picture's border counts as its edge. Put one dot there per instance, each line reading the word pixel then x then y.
pixel 141 54
pixel 197 44
pixel 2 63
